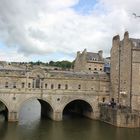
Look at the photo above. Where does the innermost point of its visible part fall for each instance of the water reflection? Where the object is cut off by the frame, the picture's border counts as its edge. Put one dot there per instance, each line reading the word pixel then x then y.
pixel 31 127
pixel 30 112
pixel 3 129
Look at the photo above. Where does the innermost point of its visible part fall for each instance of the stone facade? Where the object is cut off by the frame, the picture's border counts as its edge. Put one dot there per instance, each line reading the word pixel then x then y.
pixel 120 117
pixel 88 82
pixel 125 70
pixel 89 62
pixel 57 88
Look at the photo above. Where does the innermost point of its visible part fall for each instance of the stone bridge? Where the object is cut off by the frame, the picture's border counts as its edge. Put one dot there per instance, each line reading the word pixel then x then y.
pixel 56 91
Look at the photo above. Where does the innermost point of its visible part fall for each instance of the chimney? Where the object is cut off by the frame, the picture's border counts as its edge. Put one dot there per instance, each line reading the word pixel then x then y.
pixel 85 51
pixel 126 35
pixel 100 54
pixel 78 53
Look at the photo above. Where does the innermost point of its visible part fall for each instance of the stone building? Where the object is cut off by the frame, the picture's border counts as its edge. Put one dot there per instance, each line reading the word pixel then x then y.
pixel 125 71
pixel 54 89
pixel 87 86
pixel 89 62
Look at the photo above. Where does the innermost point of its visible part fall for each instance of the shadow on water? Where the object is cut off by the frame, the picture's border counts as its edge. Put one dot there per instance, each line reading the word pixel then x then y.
pixel 3 129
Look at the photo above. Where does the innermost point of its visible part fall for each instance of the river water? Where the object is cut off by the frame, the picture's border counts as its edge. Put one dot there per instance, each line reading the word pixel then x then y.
pixel 31 127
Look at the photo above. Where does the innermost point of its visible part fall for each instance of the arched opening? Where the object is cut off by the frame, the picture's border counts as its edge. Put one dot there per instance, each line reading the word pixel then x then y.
pixel 34 110
pixel 3 112
pixel 46 109
pixel 77 108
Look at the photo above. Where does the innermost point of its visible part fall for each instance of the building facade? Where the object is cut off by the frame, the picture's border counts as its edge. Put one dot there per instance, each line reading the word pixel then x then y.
pixel 89 62
pixel 125 71
pixel 88 84
pixel 54 87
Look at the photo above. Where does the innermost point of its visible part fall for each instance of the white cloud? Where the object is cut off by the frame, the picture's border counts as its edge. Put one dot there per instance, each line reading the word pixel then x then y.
pixel 12 55
pixel 51 26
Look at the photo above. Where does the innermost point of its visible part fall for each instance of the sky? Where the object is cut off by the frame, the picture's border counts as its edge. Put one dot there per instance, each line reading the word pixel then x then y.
pixel 44 30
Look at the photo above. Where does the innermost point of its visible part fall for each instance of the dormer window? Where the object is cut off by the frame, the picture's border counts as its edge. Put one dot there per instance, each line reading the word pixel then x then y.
pixel 94 59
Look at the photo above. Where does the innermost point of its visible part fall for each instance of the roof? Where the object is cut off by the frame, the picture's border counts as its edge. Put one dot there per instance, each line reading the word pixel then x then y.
pixel 92 56
pixel 8 67
pixel 76 74
pixel 136 42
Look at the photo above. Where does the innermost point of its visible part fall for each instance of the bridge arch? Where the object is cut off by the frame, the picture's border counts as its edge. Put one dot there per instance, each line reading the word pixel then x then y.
pixel 47 108
pixel 78 106
pixel 4 109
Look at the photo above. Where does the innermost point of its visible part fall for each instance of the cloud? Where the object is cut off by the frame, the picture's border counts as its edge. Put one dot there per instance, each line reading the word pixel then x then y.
pixel 42 27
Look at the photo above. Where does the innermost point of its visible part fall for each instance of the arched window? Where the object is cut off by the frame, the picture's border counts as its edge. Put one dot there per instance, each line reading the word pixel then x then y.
pixel 46 85
pixel 33 83
pixel 23 85
pixel 66 86
pixel 38 82
pixel 29 85
pixel 52 86
pixel 79 86
pixel 41 83
pixel 59 86
pixel 14 85
pixel 6 84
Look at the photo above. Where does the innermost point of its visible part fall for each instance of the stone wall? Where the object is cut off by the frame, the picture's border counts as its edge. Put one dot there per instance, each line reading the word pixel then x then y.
pixel 125 70
pixel 120 117
pixel 83 63
pixel 136 79
pixel 91 88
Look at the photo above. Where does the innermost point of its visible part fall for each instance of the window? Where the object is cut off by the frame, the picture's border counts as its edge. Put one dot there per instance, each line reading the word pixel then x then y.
pixel 33 83
pixel 22 85
pixel 14 85
pixel 41 84
pixel 46 85
pixel 59 86
pixel 66 86
pixel 95 68
pixel 29 85
pixel 79 86
pixel 6 84
pixel 52 86
pixel 38 82
pixel 103 99
pixel 101 69
pixel 89 68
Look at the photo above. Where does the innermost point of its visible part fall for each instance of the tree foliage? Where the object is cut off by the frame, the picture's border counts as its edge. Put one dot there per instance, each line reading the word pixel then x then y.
pixel 62 64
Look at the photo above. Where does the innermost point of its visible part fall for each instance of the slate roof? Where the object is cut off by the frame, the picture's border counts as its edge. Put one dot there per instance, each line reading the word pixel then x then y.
pixel 92 56
pixel 136 42
pixel 10 68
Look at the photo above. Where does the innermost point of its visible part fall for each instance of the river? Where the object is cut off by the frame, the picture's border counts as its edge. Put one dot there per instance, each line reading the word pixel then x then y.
pixel 31 127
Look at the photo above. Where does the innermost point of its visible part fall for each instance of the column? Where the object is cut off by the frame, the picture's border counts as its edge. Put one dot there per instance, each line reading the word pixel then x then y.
pixel 57 116
pixel 13 116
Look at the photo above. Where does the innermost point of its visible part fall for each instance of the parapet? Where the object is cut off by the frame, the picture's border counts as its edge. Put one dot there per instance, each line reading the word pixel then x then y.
pixel 126 34
pixel 117 37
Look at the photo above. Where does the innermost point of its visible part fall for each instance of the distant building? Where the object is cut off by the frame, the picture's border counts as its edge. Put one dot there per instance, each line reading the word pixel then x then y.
pixel 89 62
pixel 107 64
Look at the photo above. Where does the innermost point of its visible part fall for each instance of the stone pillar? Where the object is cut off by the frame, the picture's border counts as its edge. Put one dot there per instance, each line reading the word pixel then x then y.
pixel 57 116
pixel 12 116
